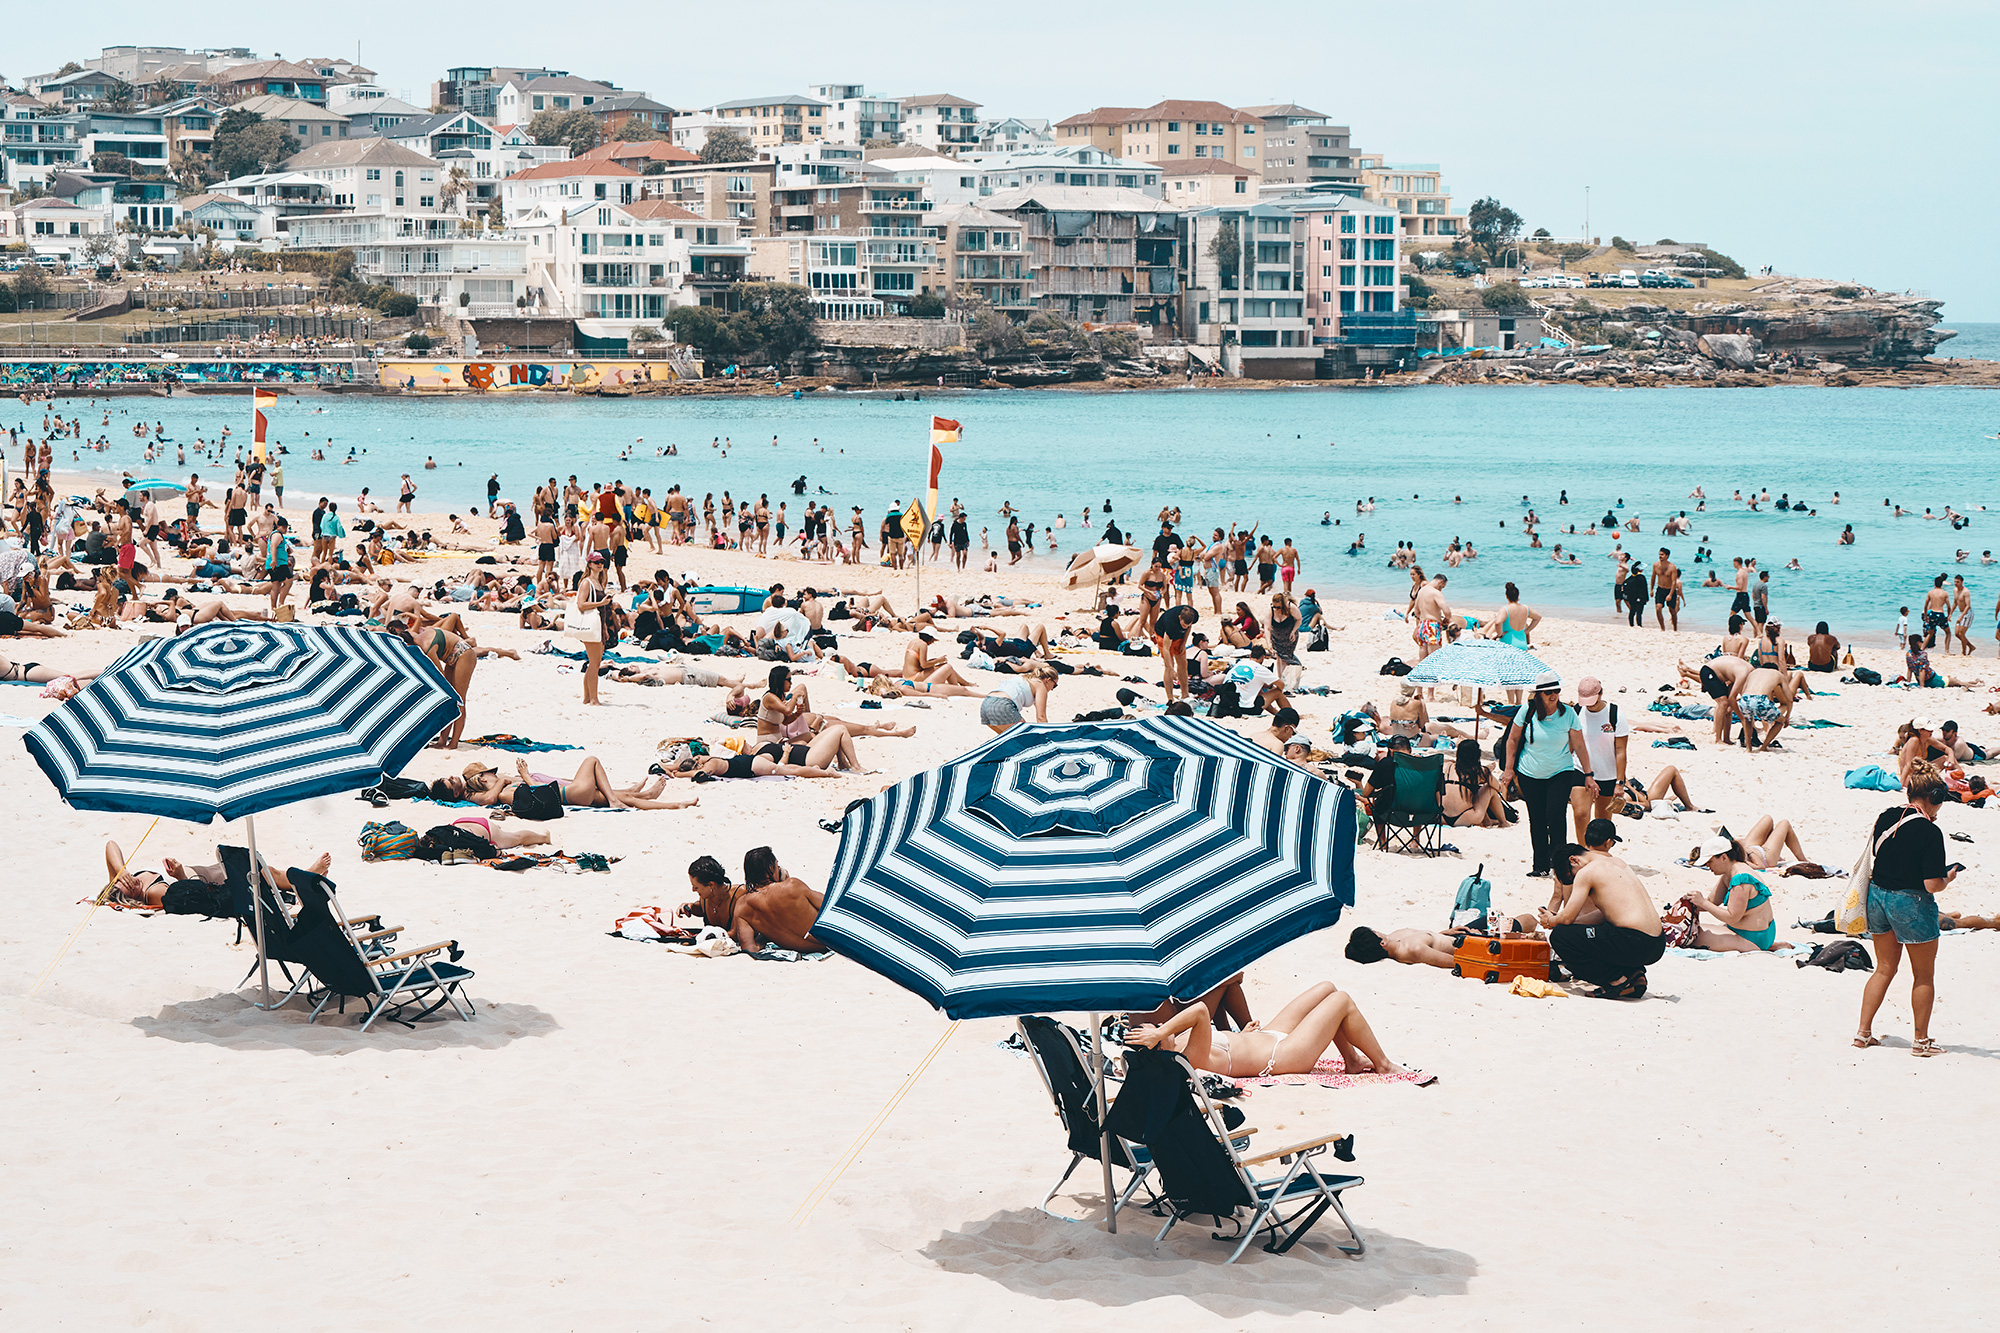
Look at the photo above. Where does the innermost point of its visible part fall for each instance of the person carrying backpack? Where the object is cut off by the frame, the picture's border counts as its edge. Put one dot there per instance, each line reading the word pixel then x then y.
pixel 1544 752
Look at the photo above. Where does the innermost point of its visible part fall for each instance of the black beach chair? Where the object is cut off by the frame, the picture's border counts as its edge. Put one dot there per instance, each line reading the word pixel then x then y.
pixel 1059 1056
pixel 374 938
pixel 389 983
pixel 1201 1170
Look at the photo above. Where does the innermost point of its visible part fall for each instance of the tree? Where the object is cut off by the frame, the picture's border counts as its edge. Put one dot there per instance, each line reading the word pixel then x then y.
pixel 725 146
pixel 188 168
pixel 100 247
pixel 704 328
pixel 927 305
pixel 1226 249
pixel 119 97
pixel 780 317
pixel 1503 296
pixel 994 334
pixel 496 215
pixel 162 90
pixel 69 67
pixel 398 305
pixel 577 129
pixel 8 305
pixel 635 130
pixel 1541 234
pixel 245 144
pixel 30 283
pixel 1620 243
pixel 452 186
pixel 418 342
pixel 1493 226
pixel 113 164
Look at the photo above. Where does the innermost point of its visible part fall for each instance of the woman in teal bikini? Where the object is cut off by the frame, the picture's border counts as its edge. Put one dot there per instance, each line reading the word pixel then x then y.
pixel 1516 621
pixel 1739 901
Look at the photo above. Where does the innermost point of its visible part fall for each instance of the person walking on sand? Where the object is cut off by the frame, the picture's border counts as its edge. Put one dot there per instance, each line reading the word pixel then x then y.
pixel 1667 590
pixel 1908 872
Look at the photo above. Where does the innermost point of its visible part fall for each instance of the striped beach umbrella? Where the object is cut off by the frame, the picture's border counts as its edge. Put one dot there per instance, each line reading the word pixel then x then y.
pixel 1481 663
pixel 1088 867
pixel 235 717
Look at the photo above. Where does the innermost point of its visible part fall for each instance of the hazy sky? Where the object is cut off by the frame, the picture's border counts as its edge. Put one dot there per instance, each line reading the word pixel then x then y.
pixel 1840 139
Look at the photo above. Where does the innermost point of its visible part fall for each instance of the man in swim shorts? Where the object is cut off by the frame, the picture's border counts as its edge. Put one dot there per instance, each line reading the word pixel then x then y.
pixel 1605 928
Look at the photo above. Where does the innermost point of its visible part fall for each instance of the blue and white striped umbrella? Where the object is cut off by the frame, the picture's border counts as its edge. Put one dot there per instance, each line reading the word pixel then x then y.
pixel 1482 663
pixel 1088 867
pixel 232 718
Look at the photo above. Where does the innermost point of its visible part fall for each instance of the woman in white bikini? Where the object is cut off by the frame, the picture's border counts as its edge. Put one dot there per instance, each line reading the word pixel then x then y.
pixel 1291 1044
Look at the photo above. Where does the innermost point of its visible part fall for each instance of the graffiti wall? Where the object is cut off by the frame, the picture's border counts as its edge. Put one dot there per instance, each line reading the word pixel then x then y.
pixel 86 373
pixel 515 376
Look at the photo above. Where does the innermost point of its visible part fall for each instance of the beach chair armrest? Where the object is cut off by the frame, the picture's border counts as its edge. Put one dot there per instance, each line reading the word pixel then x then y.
pixel 390 933
pixel 414 953
pixel 1291 1149
pixel 373 921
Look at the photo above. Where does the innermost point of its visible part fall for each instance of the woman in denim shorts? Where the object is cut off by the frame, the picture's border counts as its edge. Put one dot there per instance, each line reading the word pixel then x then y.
pixel 1909 869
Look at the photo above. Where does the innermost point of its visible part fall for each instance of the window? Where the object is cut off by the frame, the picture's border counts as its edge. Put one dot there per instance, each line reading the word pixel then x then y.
pixel 374 173
pixel 895 282
pixel 1173 127
pixel 1326 270
pixel 1379 277
pixel 1347 275
pixel 1385 226
pixel 1347 223
pixel 1242 187
pixel 600 190
pixel 1173 149
pixel 1249 151
pixel 1346 302
pixel 427 201
pixel 540 105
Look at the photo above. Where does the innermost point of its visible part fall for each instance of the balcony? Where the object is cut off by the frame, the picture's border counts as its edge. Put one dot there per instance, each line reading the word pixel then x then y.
pixel 928 233
pixel 896 206
pixel 733 250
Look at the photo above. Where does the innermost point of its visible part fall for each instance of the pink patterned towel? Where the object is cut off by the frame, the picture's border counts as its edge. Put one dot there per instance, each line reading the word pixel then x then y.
pixel 1332 1073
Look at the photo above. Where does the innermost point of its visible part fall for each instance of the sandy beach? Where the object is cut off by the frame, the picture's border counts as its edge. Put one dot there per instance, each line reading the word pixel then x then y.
pixel 622 1137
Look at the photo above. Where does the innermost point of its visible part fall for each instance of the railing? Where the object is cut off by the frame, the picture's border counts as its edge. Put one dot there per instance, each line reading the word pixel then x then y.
pixel 930 233
pixel 896 206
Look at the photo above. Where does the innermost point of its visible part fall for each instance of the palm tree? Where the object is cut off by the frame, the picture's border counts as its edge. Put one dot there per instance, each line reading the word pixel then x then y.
pixel 162 90
pixel 452 187
pixel 189 169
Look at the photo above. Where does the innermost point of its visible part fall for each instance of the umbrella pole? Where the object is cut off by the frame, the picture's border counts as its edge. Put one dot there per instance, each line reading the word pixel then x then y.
pixel 1103 1133
pixel 257 909
pixel 1478 709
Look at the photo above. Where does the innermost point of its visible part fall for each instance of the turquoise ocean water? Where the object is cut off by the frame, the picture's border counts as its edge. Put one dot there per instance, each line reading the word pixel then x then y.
pixel 1440 462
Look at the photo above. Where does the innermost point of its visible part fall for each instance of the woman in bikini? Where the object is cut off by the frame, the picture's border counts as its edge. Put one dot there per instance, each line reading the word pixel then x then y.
pixel 1470 798
pixel 147 889
pixel 590 788
pixel 1739 900
pixel 770 907
pixel 1291 1043
pixel 776 760
pixel 455 658
pixel 37 674
pixel 1242 629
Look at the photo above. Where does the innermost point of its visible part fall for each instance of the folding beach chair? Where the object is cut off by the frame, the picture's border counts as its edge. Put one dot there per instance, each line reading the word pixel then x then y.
pixel 1202 1170
pixel 374 939
pixel 1410 809
pixel 1059 1056
pixel 390 983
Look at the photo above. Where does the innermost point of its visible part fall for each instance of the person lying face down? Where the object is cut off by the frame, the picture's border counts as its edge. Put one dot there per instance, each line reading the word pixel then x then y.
pixel 1431 948
pixel 770 907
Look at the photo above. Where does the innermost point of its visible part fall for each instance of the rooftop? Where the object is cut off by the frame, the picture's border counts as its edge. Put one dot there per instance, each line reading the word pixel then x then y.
pixel 937 99
pixel 579 167
pixel 783 99
pixel 272 107
pixel 1076 198
pixel 369 152
pixel 1201 166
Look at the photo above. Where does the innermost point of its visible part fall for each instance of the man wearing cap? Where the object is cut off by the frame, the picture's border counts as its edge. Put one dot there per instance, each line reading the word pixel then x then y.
pixel 1544 750
pixel 1924 744
pixel 919 666
pixel 1604 928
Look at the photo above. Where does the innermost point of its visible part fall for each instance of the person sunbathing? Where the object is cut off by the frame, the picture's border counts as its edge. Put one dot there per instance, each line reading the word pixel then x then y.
pixel 590 788
pixel 1431 948
pixel 699 674
pixel 38 674
pixel 769 907
pixel 149 889
pixel 1226 1004
pixel 1634 799
pixel 1764 846
pixel 1739 900
pixel 1291 1044
pixel 832 747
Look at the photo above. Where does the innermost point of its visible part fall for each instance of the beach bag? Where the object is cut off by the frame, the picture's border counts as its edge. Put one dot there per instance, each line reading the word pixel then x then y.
pixel 1395 666
pixel 1867 676
pixel 193 897
pixel 540 802
pixel 1475 899
pixel 1321 643
pixel 1852 917
pixel 393 841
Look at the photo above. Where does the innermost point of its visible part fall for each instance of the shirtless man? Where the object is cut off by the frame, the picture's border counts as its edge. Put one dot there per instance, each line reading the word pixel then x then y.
pixel 779 911
pixel 1937 613
pixel 1720 678
pixel 1428 948
pixel 1666 591
pixel 1279 734
pixel 1762 694
pixel 1431 612
pixel 1605 928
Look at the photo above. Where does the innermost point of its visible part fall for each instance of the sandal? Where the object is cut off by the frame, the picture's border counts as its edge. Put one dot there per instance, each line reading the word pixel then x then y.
pixel 1925 1046
pixel 1863 1040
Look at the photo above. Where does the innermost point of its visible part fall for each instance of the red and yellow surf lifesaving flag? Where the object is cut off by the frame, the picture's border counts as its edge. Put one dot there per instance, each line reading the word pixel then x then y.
pixel 263 401
pixel 943 431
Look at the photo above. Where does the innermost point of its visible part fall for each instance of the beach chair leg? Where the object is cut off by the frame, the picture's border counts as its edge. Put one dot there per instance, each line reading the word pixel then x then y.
pixel 1139 1180
pixel 1172 1218
pixel 1360 1246
pixel 1250 1230
pixel 1284 1235
pixel 1056 1188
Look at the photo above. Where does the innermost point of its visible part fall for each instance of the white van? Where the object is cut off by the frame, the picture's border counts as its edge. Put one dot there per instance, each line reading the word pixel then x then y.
pixel 1627 278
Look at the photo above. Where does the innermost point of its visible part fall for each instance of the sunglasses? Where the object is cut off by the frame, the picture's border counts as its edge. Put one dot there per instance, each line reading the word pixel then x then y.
pixel 1552 689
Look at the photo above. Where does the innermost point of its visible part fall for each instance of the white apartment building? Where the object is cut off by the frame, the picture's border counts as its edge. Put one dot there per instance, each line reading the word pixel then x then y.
pixel 588 180
pixel 623 267
pixel 976 176
pixel 941 122
pixel 371 174
pixel 854 117
pixel 860 273
pixel 439 259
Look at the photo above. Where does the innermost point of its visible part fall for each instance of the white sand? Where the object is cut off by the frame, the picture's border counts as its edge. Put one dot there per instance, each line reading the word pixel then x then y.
pixel 621 1138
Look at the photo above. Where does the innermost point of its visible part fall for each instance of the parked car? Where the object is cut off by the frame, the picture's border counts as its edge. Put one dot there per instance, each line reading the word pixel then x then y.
pixel 1566 280
pixel 1601 280
pixel 1677 281
pixel 1627 278
pixel 1464 268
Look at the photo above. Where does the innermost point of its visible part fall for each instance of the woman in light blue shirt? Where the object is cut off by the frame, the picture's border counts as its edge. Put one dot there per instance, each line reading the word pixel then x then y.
pixel 1544 752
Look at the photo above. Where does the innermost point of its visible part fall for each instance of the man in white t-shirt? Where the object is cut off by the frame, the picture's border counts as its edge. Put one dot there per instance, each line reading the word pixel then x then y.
pixel 784 631
pixel 1605 736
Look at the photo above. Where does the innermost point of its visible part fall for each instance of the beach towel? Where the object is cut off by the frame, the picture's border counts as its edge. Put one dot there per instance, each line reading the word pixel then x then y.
pixel 1818 722
pixel 578 655
pixel 1533 989
pixel 9 720
pixel 1674 743
pixel 1333 1074
pixel 1872 777
pixel 516 744
pixel 1685 712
